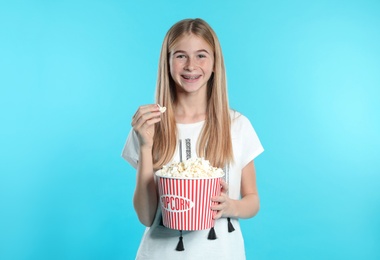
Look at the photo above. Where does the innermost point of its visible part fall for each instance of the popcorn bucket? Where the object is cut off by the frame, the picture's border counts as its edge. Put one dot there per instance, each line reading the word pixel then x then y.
pixel 186 202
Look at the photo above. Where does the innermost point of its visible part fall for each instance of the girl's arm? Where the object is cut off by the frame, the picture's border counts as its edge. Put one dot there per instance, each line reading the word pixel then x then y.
pixel 145 197
pixel 248 205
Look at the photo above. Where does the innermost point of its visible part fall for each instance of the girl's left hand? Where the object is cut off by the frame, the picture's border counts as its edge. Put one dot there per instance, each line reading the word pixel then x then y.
pixel 225 206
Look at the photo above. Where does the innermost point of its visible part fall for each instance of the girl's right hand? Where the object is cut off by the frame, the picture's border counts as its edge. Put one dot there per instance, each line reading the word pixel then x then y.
pixel 143 123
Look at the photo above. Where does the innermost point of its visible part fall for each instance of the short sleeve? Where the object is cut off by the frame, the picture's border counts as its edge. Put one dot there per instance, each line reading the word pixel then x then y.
pixel 248 141
pixel 131 149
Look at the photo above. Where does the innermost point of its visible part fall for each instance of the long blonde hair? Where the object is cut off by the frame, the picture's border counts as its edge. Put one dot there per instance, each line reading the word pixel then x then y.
pixel 215 139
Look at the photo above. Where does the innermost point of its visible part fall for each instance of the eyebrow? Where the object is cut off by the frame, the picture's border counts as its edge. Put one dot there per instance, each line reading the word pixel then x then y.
pixel 181 51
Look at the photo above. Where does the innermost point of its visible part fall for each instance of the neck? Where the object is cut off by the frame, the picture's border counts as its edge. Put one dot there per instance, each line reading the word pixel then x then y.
pixel 190 110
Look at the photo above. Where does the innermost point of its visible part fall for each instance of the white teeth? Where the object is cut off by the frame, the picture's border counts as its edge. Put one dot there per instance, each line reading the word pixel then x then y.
pixel 193 77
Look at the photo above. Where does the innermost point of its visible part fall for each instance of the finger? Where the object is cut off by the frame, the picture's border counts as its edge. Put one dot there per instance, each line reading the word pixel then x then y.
pixel 140 108
pixel 218 207
pixel 218 215
pixel 224 185
pixel 219 199
pixel 152 121
pixel 143 124
pixel 141 118
pixel 145 109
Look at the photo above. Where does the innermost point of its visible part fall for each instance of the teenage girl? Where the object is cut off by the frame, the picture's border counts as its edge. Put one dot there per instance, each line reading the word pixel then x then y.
pixel 192 86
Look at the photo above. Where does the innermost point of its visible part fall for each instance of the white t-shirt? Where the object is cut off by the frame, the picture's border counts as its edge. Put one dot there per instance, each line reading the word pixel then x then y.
pixel 159 242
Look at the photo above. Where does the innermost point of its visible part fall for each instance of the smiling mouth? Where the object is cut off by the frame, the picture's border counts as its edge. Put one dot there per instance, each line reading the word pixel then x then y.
pixel 191 77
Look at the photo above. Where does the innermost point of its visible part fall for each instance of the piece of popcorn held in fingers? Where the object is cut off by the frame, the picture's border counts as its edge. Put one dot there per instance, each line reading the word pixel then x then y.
pixel 161 109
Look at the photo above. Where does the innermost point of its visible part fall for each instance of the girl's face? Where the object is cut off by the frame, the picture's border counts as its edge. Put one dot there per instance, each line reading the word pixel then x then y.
pixel 191 63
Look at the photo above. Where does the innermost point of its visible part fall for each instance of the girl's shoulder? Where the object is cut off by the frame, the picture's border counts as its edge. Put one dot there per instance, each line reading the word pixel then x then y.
pixel 239 122
pixel 237 117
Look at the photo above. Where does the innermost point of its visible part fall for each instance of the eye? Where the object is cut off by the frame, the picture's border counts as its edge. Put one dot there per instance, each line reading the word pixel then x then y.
pixel 202 56
pixel 180 56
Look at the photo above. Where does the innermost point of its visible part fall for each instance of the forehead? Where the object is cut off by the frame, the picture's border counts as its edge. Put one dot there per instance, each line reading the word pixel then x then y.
pixel 191 43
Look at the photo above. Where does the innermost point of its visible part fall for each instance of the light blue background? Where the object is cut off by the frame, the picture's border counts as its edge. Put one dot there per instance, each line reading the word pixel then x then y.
pixel 72 73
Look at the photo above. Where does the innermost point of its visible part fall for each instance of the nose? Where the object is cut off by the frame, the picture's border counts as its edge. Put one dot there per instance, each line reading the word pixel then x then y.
pixel 190 64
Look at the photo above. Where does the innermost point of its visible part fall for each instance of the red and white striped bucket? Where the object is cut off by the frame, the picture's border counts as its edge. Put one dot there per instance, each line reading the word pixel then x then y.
pixel 186 203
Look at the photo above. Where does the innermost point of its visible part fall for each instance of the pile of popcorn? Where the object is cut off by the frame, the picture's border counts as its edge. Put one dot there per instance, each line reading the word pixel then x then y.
pixel 191 168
